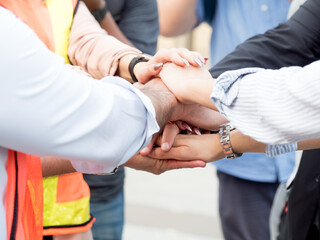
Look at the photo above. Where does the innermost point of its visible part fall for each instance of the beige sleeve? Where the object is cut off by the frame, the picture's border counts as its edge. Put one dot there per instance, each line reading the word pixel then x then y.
pixel 92 48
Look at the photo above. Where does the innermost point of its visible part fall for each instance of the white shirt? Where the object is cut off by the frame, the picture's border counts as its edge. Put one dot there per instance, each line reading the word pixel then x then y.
pixel 272 106
pixel 48 109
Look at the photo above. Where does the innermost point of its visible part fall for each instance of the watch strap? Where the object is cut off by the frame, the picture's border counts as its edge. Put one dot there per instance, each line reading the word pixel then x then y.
pixel 133 63
pixel 224 132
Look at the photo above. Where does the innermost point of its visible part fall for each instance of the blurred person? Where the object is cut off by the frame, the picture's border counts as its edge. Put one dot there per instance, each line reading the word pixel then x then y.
pixel 247 186
pixel 56 43
pixel 135 23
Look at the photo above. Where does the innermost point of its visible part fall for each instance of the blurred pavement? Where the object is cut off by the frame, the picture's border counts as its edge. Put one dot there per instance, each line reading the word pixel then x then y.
pixel 177 205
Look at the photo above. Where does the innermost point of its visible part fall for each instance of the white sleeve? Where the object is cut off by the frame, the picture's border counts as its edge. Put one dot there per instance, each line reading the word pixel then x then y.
pixel 272 106
pixel 48 109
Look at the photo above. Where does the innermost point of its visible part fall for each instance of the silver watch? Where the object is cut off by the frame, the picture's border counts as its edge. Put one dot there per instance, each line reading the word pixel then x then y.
pixel 224 132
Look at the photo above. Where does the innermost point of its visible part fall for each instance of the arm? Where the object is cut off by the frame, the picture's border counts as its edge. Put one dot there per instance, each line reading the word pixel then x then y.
pixel 52 166
pixel 91 48
pixel 208 148
pixel 112 29
pixel 277 101
pixel 177 17
pixel 48 109
pixel 140 24
pixel 101 55
pixel 99 9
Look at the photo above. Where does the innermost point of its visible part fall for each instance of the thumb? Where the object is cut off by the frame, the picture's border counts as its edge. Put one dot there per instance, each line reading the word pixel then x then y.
pixel 151 70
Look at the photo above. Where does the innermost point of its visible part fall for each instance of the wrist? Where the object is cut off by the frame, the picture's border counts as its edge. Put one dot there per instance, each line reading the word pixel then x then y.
pixel 225 140
pixel 164 102
pixel 200 91
pixel 216 150
pixel 123 68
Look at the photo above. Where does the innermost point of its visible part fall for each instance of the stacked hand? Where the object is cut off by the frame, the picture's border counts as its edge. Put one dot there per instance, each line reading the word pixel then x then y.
pixel 181 105
pixel 181 57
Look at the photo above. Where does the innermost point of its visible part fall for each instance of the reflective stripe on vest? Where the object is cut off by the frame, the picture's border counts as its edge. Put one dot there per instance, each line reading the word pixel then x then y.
pixel 66 205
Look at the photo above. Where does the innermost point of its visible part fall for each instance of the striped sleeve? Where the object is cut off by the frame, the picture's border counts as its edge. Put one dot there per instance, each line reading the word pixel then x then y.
pixel 276 107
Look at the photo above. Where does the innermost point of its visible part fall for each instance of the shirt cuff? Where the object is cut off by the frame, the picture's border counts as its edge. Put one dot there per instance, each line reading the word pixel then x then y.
pixel 274 150
pixel 226 88
pixel 151 128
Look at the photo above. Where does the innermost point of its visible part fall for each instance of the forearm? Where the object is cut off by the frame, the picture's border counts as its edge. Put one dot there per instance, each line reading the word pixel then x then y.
pixel 162 99
pixel 274 117
pixel 89 119
pixel 92 48
pixel 112 29
pixel 242 143
pixel 177 17
pixel 52 166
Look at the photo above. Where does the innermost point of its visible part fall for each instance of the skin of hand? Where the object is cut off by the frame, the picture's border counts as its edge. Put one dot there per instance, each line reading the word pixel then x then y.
pixel 52 166
pixel 144 71
pixel 168 109
pixel 205 147
pixel 189 85
pixel 164 102
pixel 158 166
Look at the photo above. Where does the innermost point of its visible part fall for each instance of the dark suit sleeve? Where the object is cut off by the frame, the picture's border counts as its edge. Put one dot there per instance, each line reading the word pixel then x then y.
pixel 294 43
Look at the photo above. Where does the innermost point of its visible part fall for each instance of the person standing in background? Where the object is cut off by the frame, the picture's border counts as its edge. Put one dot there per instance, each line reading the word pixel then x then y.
pixel 134 22
pixel 247 185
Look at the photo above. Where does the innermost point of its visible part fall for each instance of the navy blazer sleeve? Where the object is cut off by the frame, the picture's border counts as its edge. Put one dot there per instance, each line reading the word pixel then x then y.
pixel 294 43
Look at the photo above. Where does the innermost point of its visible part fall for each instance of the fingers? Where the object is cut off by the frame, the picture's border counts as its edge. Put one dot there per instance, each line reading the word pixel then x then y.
pixel 194 58
pixel 173 164
pixel 180 56
pixel 174 153
pixel 149 148
pixel 170 131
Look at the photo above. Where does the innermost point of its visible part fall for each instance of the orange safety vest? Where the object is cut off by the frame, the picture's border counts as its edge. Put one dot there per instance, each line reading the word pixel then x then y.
pixel 51 21
pixel 24 197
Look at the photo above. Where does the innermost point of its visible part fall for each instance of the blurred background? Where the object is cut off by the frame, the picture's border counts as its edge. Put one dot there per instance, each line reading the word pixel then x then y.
pixel 180 204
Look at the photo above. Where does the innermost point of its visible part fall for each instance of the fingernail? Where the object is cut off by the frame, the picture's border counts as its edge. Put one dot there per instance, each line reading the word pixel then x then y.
pixel 144 150
pixel 158 66
pixel 165 146
pixel 198 62
pixel 188 128
pixel 206 59
pixel 196 130
pixel 202 59
pixel 186 62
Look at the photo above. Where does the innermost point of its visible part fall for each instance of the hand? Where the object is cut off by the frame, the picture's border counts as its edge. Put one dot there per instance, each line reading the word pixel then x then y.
pixel 193 114
pixel 157 166
pixel 198 116
pixel 182 57
pixel 189 85
pixel 206 147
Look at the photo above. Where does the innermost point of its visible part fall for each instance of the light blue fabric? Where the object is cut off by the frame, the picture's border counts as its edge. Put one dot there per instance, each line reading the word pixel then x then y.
pixel 233 23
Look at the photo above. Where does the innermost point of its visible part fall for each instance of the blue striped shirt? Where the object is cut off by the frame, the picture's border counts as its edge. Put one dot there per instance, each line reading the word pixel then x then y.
pixel 283 105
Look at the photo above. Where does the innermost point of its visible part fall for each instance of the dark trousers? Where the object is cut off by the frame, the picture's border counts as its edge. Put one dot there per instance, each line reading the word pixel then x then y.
pixel 244 207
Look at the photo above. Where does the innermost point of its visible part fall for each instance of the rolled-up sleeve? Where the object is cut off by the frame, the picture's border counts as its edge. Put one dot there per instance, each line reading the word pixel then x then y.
pixel 276 107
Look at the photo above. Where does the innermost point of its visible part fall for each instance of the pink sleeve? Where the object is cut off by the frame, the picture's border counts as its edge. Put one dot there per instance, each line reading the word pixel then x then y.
pixel 92 48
